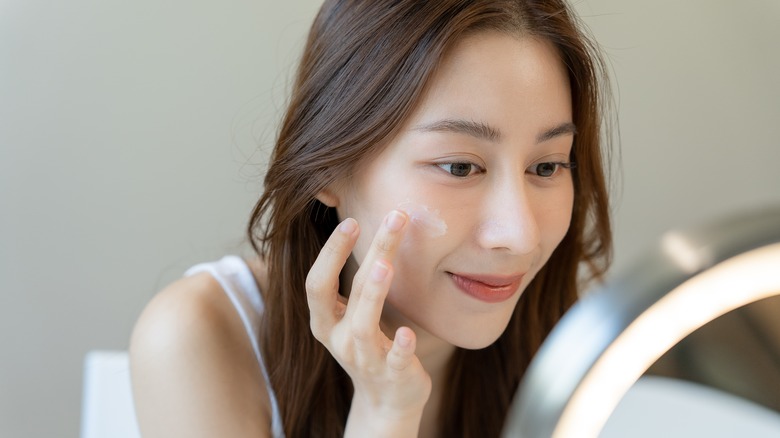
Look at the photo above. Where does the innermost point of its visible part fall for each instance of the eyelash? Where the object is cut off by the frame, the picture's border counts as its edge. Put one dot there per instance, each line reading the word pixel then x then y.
pixel 447 167
pixel 558 165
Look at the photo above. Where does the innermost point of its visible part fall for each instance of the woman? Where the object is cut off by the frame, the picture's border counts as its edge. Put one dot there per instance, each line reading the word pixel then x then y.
pixel 435 185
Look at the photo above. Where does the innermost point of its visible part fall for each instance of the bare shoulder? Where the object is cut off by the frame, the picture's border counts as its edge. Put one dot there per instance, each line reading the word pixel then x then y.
pixel 194 371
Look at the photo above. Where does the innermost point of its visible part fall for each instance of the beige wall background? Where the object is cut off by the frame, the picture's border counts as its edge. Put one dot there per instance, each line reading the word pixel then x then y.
pixel 129 136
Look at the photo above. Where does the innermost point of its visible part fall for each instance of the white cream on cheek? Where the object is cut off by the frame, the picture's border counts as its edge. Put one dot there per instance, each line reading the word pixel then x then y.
pixel 424 218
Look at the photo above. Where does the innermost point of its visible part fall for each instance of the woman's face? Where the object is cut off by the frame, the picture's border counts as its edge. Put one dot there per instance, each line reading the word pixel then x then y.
pixel 475 169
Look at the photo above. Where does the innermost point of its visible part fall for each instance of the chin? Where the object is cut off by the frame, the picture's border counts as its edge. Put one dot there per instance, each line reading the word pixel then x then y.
pixel 475 339
pixel 476 344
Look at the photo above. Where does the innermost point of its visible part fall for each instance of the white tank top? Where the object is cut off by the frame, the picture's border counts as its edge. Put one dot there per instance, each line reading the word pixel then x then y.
pixel 239 284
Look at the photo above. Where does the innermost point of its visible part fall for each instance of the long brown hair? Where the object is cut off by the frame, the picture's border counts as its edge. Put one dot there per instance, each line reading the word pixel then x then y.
pixel 363 70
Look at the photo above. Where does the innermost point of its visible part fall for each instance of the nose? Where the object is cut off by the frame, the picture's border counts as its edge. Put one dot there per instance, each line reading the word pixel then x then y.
pixel 509 222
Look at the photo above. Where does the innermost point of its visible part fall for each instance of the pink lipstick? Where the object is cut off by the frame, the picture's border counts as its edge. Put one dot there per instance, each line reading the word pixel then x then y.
pixel 488 288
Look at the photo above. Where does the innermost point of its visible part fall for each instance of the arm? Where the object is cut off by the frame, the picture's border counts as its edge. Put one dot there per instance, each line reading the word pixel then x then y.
pixel 193 370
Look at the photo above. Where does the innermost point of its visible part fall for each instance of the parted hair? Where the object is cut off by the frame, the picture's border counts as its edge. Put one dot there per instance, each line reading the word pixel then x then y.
pixel 364 69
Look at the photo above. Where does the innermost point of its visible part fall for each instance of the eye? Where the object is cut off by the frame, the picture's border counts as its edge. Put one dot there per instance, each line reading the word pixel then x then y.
pixel 549 169
pixel 461 169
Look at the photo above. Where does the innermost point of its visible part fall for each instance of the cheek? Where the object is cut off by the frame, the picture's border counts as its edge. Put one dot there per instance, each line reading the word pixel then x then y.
pixel 373 201
pixel 428 240
pixel 555 218
pixel 369 222
pixel 425 221
pixel 552 207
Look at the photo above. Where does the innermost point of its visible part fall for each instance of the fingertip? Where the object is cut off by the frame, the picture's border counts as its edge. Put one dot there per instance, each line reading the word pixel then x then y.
pixel 402 353
pixel 395 220
pixel 405 338
pixel 348 226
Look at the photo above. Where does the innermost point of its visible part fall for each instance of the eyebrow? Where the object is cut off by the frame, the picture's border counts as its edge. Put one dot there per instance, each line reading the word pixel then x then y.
pixel 562 129
pixel 484 131
pixel 479 130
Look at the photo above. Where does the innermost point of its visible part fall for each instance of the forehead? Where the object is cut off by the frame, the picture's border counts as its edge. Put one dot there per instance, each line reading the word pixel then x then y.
pixel 506 81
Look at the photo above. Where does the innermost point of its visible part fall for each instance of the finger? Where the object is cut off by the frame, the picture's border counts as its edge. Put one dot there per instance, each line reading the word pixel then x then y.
pixel 322 282
pixel 401 354
pixel 383 247
pixel 364 324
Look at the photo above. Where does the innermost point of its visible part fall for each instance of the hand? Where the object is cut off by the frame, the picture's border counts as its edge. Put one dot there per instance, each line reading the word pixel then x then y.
pixel 391 386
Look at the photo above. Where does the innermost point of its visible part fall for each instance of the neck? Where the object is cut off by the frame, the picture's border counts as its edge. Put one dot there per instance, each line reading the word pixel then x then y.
pixel 435 355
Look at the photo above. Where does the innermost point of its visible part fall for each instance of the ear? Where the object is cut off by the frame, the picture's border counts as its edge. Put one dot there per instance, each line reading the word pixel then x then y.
pixel 328 197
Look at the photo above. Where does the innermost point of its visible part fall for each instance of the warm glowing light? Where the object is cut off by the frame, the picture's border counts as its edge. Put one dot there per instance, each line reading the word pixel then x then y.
pixel 738 281
pixel 684 253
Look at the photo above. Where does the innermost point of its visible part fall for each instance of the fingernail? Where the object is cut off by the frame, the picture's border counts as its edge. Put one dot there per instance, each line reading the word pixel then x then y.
pixel 404 340
pixel 379 272
pixel 395 220
pixel 347 226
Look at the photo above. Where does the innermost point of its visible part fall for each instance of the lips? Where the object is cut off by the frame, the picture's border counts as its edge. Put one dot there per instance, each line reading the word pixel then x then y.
pixel 487 288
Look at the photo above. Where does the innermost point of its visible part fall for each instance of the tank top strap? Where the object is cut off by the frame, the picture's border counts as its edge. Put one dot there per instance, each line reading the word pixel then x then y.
pixel 238 282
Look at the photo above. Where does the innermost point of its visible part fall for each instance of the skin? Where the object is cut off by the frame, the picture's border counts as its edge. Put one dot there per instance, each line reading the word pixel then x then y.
pixel 404 314
pixel 503 219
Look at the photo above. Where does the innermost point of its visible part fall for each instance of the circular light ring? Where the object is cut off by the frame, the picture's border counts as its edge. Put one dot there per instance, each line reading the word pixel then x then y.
pixel 640 301
pixel 738 281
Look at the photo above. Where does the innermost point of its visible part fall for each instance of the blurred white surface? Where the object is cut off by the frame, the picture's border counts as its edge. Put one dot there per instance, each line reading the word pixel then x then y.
pixel 658 407
pixel 107 403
